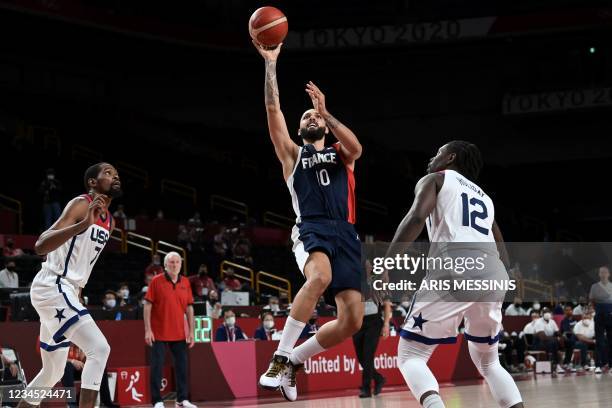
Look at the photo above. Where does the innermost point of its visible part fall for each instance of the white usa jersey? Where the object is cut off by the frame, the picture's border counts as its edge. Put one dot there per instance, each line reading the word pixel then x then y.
pixel 74 259
pixel 463 212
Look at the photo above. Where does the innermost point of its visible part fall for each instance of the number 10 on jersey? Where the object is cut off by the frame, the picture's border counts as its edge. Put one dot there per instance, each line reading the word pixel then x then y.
pixel 323 177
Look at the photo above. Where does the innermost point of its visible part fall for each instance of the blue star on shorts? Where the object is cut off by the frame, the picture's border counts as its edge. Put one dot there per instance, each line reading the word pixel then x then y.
pixel 418 321
pixel 59 315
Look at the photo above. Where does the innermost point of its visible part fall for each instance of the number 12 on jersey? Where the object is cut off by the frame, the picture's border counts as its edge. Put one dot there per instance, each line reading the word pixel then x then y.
pixel 470 217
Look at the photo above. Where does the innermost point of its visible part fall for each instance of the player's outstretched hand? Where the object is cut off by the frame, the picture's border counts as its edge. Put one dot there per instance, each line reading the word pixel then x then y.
pixel 267 53
pixel 317 97
pixel 149 338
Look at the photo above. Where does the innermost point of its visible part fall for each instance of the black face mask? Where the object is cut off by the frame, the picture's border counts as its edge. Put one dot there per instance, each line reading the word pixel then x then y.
pixel 212 301
pixel 312 321
pixel 10 268
pixel 517 304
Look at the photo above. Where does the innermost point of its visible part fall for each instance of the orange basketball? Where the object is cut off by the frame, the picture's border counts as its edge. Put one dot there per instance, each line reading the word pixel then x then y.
pixel 268 26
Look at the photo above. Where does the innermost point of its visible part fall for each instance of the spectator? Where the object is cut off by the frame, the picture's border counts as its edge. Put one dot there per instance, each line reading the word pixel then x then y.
pixel 509 344
pixel 584 331
pixel 312 327
pixel 128 223
pixel 143 291
pixel 74 368
pixel 516 309
pixel 50 189
pixel 8 276
pixel 124 295
pixel 241 249
pixel 230 282
pixel 569 339
pixel 110 300
pixel 581 307
pixel 155 267
pixel 160 215
pixel 202 284
pixel 535 307
pixel 266 331
pixel 559 307
pixel 530 327
pixel 547 337
pixel 183 236
pixel 229 331
pixel 213 306
pixel 9 250
pixel 403 307
pixel 168 300
pixel 11 369
pixel 273 305
pixel 219 242
pixel 601 296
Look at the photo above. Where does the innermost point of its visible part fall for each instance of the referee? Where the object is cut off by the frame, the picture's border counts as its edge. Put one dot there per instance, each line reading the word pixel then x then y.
pixel 601 297
pixel 375 324
pixel 168 300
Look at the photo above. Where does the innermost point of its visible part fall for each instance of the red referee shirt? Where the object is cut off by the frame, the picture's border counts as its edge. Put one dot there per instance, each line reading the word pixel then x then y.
pixel 170 301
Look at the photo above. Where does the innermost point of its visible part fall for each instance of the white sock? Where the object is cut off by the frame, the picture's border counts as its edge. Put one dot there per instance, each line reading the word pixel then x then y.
pixel 306 350
pixel 291 332
pixel 433 401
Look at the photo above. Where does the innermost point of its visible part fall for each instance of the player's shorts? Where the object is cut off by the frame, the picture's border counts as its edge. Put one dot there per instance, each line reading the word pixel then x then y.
pixel 339 240
pixel 57 303
pixel 437 322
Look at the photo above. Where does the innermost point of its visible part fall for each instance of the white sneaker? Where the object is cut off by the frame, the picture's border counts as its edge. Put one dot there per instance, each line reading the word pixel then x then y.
pixel 272 378
pixel 560 369
pixel 288 385
pixel 158 405
pixel 184 404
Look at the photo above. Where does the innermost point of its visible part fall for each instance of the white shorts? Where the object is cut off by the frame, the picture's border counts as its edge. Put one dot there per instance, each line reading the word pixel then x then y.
pixel 57 303
pixel 437 322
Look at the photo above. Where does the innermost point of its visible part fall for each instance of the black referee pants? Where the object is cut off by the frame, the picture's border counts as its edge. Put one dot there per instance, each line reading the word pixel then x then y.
pixel 365 342
pixel 179 353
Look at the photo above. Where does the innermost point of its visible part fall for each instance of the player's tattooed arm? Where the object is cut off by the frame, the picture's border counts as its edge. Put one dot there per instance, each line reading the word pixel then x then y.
pixel 271 87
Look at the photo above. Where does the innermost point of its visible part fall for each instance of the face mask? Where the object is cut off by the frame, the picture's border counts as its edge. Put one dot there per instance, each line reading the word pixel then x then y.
pixel 405 305
pixel 536 306
pixel 51 176
pixel 312 321
pixel 269 324
pixel 547 316
pixel 274 307
pixel 10 268
pixel 111 303
pixel 125 293
pixel 230 321
pixel 586 322
pixel 156 262
pixel 517 305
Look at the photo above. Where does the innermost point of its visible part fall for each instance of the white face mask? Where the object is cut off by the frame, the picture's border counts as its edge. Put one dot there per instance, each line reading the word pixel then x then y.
pixel 536 306
pixel 125 293
pixel 269 324
pixel 405 305
pixel 230 321
pixel 274 307
pixel 51 176
pixel 110 303
pixel 586 322
pixel 547 316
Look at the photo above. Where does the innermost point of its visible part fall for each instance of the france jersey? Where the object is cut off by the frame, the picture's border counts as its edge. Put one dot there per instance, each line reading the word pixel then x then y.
pixel 321 185
pixel 322 191
pixel 75 259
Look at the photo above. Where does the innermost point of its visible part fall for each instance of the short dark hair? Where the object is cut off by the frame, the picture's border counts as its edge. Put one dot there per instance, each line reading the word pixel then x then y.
pixel 264 314
pixel 92 172
pixel 467 158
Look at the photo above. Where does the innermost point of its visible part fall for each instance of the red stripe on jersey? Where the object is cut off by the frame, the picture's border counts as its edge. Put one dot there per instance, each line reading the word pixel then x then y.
pixel 350 199
pixel 106 223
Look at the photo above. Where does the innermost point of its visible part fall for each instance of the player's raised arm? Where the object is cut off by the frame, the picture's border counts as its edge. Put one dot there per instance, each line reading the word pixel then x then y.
pixel 76 218
pixel 286 149
pixel 349 144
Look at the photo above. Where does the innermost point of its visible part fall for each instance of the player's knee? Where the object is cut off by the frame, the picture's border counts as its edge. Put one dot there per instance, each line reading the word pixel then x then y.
pixel 99 351
pixel 484 356
pixel 319 280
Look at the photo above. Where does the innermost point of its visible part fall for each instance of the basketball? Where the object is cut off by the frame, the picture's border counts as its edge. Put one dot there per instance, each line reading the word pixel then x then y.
pixel 268 26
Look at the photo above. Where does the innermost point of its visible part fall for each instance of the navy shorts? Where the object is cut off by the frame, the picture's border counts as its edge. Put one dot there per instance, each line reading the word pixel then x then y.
pixel 339 240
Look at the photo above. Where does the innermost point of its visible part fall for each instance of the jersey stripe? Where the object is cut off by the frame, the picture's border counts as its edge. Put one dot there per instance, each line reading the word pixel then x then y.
pixel 352 216
pixel 68 256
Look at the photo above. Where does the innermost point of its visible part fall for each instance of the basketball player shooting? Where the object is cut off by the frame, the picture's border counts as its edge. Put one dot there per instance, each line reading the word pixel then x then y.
pixel 455 210
pixel 326 246
pixel 73 245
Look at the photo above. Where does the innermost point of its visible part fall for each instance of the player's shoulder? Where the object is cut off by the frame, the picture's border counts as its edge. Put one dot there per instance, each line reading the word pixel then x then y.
pixel 436 178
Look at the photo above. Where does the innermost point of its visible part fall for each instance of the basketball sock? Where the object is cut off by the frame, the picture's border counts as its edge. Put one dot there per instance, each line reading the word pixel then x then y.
pixel 306 350
pixel 291 332
pixel 433 401
pixel 500 382
pixel 412 358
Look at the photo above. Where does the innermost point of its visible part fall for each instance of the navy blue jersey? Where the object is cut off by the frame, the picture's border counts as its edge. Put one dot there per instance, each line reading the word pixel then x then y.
pixel 321 185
